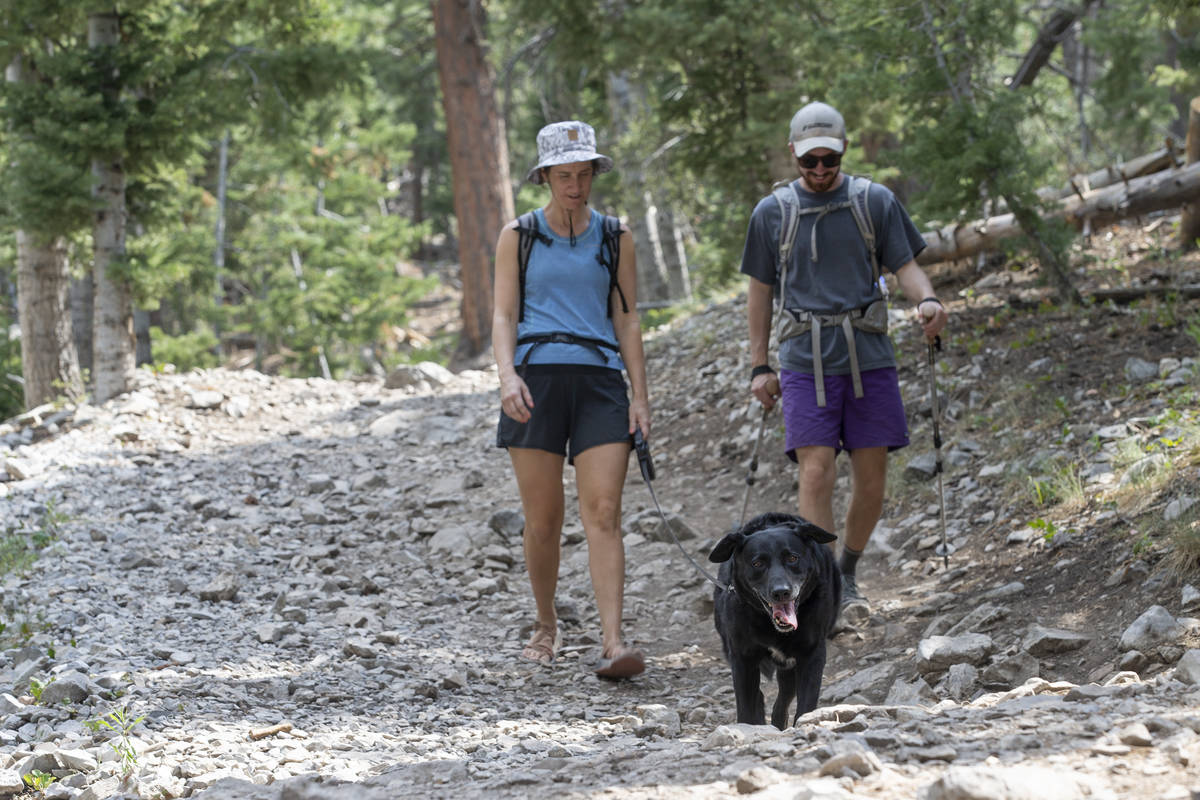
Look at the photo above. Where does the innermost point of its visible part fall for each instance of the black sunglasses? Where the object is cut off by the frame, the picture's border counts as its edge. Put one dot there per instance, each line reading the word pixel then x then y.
pixel 829 160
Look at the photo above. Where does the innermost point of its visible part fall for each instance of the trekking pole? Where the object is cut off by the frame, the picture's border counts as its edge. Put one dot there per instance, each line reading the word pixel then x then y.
pixel 943 549
pixel 753 468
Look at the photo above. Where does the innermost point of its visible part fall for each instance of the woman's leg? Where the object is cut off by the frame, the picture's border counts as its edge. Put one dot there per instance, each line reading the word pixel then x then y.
pixel 600 477
pixel 539 479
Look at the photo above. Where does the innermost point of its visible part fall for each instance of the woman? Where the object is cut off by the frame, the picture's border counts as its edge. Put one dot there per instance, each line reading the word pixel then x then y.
pixel 562 332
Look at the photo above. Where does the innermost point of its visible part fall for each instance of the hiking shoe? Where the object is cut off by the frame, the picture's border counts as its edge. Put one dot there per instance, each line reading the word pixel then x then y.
pixel 856 611
pixel 850 593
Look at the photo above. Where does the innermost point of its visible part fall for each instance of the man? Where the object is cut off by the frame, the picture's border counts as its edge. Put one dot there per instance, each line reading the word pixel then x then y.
pixel 842 393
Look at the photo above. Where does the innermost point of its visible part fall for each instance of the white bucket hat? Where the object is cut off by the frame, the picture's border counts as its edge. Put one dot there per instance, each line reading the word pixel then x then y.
pixel 566 143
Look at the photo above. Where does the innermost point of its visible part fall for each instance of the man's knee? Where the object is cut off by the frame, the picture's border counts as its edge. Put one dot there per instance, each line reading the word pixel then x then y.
pixel 816 475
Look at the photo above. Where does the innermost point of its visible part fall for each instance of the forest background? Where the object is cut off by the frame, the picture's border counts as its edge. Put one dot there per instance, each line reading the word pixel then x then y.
pixel 275 184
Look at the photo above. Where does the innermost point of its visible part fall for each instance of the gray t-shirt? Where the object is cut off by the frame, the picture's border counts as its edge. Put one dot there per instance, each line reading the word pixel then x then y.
pixel 840 278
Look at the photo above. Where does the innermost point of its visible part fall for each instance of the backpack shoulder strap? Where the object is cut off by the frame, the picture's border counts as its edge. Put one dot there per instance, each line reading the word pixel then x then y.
pixel 789 221
pixel 860 189
pixel 610 258
pixel 527 232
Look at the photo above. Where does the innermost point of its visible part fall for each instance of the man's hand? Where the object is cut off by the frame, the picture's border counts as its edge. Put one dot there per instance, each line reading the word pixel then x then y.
pixel 766 388
pixel 932 317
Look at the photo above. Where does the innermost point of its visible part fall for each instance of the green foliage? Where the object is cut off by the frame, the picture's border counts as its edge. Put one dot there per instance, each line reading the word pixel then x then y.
pixel 36 688
pixel 39 781
pixel 22 540
pixel 192 350
pixel 1049 529
pixel 338 159
pixel 12 395
pixel 121 723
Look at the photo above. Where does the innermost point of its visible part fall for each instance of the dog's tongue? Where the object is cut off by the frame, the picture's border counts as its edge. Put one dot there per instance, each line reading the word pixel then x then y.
pixel 785 613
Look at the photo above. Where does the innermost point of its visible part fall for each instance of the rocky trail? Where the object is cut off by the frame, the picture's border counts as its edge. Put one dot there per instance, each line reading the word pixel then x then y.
pixel 257 588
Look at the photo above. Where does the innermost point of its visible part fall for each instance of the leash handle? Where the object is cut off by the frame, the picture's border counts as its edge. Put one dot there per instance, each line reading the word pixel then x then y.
pixel 642 448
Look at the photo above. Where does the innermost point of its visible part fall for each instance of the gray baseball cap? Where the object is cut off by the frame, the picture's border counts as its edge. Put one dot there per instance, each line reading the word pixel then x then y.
pixel 817 125
pixel 566 143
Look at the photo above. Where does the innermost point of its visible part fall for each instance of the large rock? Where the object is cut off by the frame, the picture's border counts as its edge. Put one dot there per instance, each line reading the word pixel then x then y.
pixel 1155 627
pixel 938 653
pixel 1013 783
pixel 1040 641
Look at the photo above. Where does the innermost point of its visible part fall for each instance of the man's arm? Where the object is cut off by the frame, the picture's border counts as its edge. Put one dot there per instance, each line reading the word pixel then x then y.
pixel 765 386
pixel 916 284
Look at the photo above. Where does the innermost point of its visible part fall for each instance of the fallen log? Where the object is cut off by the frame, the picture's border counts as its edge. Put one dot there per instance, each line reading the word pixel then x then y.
pixel 1131 294
pixel 1167 157
pixel 1161 190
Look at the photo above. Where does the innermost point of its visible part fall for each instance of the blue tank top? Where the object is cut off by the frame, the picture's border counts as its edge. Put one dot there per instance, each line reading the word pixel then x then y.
pixel 566 291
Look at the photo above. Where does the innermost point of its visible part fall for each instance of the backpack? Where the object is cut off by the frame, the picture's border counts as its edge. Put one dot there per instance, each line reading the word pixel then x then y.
pixel 608 256
pixel 789 203
pixel 872 318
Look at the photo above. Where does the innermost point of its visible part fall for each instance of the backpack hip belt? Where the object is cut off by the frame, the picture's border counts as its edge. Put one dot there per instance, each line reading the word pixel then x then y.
pixel 560 337
pixel 870 319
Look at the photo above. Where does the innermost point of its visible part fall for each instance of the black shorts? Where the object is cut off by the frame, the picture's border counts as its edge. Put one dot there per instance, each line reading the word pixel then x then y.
pixel 580 404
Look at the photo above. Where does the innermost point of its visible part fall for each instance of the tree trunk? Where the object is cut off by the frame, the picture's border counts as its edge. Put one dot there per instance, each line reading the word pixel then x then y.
pixel 1189 224
pixel 112 337
pixel 1043 46
pixel 676 256
pixel 49 363
pixel 219 237
pixel 475 136
pixel 81 292
pixel 144 349
pixel 1162 190
pixel 626 105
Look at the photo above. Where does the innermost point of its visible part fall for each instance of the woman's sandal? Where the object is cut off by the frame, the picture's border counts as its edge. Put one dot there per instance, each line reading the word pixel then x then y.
pixel 543 645
pixel 624 663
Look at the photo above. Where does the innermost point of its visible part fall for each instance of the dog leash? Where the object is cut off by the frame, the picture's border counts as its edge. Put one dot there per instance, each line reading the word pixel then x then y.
pixel 646 464
pixel 753 467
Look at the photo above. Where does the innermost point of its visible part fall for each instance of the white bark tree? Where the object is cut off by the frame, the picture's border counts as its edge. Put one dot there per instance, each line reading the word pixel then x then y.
pixel 113 346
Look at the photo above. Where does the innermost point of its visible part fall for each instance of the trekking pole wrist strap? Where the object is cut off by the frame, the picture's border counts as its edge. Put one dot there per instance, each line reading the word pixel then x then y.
pixel 761 369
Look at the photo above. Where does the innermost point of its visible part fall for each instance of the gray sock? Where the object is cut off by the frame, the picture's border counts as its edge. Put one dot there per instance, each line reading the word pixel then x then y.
pixel 849 560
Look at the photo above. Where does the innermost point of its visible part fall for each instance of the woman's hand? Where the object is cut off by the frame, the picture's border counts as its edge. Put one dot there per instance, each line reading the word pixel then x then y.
pixel 515 399
pixel 639 417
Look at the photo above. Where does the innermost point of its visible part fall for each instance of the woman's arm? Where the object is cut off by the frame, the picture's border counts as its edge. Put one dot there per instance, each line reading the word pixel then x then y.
pixel 515 399
pixel 628 328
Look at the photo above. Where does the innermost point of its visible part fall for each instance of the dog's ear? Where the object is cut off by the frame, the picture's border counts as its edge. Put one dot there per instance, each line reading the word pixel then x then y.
pixel 803 527
pixel 726 547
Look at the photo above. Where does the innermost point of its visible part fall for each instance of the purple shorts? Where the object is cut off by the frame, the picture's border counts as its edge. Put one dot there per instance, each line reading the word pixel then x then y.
pixel 876 419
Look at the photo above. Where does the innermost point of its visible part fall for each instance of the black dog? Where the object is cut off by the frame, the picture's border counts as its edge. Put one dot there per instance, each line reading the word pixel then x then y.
pixel 784 591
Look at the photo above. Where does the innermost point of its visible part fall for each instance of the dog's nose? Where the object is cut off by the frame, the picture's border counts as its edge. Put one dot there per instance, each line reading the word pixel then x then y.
pixel 781 592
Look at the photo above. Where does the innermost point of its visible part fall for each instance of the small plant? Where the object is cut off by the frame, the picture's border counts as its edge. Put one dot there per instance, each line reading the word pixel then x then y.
pixel 1192 328
pixel 1185 553
pixel 1048 528
pixel 36 688
pixel 119 721
pixel 1042 491
pixel 39 781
